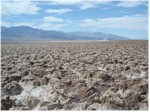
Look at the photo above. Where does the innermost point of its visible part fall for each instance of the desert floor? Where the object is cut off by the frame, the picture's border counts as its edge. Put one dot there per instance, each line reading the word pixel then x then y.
pixel 98 75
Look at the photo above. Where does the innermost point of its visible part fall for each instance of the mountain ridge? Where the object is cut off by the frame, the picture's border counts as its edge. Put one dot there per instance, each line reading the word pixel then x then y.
pixel 26 32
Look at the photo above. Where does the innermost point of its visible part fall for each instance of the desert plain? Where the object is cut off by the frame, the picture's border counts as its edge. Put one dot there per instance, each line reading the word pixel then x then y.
pixel 93 75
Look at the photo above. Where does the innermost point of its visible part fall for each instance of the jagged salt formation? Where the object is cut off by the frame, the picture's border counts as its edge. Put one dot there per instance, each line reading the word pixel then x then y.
pixel 111 75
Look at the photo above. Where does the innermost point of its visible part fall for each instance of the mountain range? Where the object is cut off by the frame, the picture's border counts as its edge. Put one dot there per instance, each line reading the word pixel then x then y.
pixel 25 33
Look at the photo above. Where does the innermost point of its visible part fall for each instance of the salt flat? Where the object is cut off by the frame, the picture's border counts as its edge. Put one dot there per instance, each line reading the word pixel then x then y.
pixel 89 75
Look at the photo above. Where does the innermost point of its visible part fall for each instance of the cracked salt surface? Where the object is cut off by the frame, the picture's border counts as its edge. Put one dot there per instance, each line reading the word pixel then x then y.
pixel 105 75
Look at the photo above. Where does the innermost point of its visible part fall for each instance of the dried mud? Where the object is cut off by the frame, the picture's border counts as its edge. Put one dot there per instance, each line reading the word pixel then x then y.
pixel 105 75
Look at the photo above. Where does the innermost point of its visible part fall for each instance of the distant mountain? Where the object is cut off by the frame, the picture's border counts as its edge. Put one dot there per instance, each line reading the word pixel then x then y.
pixel 96 36
pixel 28 33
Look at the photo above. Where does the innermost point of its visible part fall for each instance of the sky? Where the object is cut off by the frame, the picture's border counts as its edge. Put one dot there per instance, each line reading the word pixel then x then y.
pixel 128 18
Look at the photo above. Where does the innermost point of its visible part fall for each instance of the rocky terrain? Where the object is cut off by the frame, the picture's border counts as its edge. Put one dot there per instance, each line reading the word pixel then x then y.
pixel 98 75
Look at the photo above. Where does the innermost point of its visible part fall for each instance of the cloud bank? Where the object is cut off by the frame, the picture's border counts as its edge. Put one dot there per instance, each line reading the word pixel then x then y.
pixel 135 22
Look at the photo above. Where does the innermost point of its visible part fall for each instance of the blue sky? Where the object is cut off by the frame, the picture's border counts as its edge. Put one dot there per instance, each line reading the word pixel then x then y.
pixel 127 18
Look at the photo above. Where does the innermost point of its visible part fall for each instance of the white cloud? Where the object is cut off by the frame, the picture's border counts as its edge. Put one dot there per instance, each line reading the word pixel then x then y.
pixel 135 22
pixel 8 24
pixel 83 4
pixel 52 19
pixel 131 3
pixel 66 2
pixel 58 11
pixel 50 26
pixel 87 6
pixel 19 7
